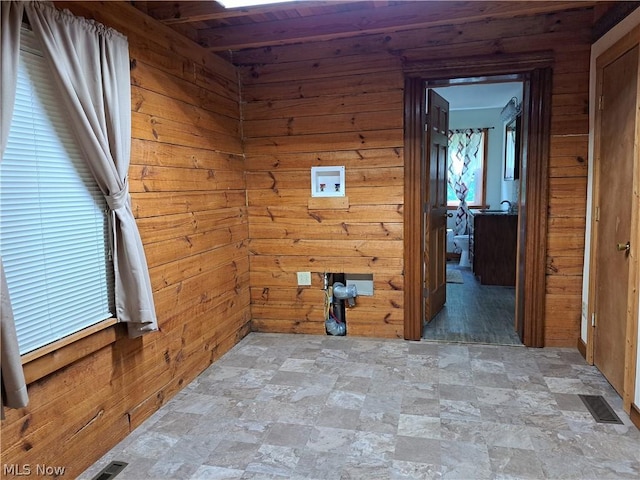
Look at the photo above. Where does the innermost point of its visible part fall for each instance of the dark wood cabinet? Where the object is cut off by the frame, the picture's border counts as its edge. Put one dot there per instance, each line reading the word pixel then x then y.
pixel 494 243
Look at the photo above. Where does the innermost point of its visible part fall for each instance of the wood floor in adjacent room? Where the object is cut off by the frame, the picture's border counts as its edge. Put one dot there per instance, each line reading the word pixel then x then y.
pixel 475 313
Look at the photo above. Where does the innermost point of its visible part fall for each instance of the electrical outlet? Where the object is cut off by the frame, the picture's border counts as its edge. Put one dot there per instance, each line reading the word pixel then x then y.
pixel 304 278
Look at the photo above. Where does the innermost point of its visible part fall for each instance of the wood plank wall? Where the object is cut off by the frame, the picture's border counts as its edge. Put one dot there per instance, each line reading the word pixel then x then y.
pixel 340 102
pixel 309 112
pixel 330 103
pixel 187 186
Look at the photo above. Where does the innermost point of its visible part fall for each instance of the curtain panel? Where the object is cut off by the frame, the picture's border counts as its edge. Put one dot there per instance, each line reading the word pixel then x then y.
pixel 90 66
pixel 464 151
pixel 13 386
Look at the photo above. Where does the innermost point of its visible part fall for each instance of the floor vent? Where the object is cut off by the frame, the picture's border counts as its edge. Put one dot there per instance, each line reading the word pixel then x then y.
pixel 600 409
pixel 110 471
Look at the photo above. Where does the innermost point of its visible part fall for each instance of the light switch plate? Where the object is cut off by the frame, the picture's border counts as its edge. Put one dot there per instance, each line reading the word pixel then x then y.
pixel 304 278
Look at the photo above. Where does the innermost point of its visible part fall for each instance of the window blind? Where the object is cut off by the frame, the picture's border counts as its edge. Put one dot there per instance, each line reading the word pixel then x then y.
pixel 53 236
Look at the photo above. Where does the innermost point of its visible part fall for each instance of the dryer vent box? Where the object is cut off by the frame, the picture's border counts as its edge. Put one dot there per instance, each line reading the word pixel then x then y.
pixel 362 281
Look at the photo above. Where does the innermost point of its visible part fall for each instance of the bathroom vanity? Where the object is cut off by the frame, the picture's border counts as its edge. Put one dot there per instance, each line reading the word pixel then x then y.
pixel 493 243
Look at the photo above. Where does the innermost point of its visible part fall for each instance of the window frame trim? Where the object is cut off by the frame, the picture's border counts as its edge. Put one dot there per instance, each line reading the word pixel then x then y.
pixel 56 355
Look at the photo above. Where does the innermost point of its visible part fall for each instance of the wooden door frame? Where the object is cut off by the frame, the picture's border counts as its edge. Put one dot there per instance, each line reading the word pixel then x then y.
pixel 414 198
pixel 626 43
pixel 535 69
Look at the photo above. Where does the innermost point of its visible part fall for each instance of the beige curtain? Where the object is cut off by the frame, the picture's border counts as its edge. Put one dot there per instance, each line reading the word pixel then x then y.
pixel 90 65
pixel 14 389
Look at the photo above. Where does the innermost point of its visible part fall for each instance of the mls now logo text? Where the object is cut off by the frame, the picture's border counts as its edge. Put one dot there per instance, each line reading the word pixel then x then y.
pixel 26 469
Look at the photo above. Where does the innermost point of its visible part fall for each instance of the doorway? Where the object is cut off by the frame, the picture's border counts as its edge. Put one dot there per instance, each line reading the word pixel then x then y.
pixel 482 187
pixel 529 311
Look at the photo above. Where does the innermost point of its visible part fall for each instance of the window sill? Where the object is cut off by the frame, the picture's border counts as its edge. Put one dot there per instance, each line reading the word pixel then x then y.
pixel 46 360
pixel 471 207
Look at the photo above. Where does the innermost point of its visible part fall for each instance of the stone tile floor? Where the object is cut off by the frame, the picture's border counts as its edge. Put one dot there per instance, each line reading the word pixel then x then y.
pixel 317 407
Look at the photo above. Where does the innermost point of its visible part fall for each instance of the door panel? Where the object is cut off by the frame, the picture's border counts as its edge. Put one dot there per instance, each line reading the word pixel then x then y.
pixel 435 211
pixel 614 210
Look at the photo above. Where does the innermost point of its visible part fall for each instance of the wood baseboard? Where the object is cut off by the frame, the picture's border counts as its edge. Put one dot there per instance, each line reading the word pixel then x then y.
pixel 634 414
pixel 582 348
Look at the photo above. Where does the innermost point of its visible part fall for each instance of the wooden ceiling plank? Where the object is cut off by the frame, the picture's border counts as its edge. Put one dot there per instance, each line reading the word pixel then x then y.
pixel 203 11
pixel 385 19
pixel 613 15
pixel 435 36
pixel 132 22
pixel 171 13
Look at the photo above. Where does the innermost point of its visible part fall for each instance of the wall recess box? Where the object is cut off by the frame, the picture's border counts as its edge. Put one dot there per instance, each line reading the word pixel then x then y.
pixel 327 181
pixel 362 281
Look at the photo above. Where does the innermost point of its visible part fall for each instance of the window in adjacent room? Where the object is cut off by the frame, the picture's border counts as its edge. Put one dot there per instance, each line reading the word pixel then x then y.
pixel 466 169
pixel 54 233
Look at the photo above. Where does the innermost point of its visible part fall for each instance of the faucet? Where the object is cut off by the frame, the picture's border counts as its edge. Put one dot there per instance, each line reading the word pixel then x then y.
pixel 512 207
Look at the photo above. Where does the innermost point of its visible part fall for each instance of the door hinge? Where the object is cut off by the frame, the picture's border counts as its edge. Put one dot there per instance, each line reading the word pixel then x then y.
pixel 425 292
pixel 593 319
pixel 597 213
pixel 601 102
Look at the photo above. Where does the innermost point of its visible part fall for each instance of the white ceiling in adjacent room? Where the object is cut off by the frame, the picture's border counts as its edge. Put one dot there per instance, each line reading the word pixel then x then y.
pixel 481 95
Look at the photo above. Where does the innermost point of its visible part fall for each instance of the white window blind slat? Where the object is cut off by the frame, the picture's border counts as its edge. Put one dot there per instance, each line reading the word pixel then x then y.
pixel 53 224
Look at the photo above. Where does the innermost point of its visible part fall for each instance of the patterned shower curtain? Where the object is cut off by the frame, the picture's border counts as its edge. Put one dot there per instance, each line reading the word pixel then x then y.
pixel 465 149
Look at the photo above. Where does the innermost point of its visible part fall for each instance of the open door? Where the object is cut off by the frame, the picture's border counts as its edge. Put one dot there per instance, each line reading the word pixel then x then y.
pixel 435 208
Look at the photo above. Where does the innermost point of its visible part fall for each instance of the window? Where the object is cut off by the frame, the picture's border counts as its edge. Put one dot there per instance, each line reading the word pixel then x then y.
pixel 467 152
pixel 54 234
